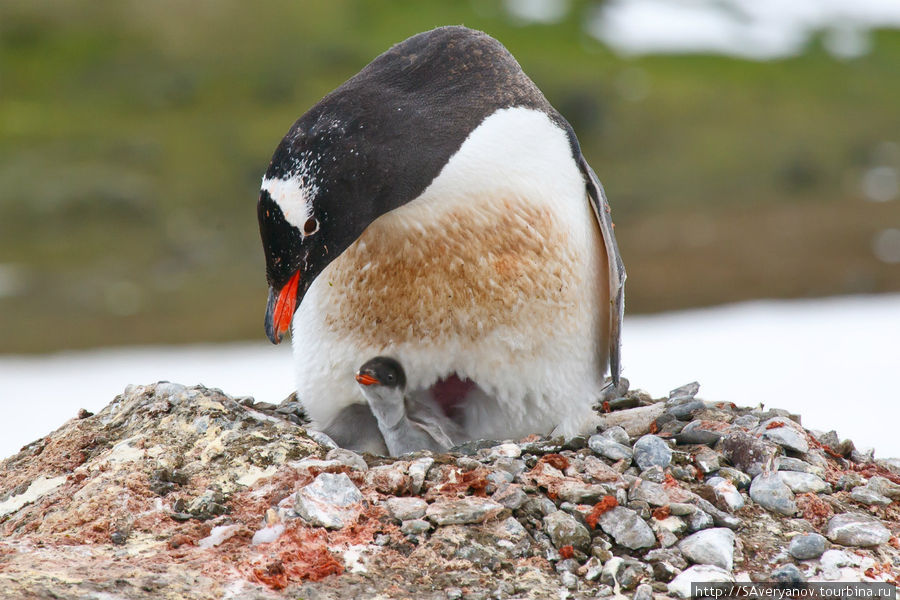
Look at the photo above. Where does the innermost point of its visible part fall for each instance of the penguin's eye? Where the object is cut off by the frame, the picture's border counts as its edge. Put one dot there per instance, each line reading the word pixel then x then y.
pixel 310 226
pixel 390 378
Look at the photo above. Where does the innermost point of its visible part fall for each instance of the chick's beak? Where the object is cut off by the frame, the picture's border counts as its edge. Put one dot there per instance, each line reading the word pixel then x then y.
pixel 365 379
pixel 280 309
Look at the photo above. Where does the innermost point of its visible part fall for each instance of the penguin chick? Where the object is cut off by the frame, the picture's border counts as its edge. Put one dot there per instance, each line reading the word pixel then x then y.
pixel 407 423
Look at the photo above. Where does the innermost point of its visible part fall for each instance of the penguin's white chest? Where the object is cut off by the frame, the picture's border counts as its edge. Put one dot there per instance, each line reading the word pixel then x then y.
pixel 497 273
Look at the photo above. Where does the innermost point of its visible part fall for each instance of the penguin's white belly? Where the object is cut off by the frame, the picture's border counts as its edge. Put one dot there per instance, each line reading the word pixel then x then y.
pixel 496 273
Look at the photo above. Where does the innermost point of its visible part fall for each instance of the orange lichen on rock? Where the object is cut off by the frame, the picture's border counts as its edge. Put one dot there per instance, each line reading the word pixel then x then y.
pixel 662 513
pixel 567 551
pixel 775 425
pixel 606 504
pixel 814 509
pixel 557 461
pixel 302 554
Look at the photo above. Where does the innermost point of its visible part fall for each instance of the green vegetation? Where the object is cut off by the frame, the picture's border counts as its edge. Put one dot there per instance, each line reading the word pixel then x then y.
pixel 133 136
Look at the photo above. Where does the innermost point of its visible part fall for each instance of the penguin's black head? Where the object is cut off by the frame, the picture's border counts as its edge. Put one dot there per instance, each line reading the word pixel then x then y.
pixel 372 145
pixel 382 370
pixel 310 208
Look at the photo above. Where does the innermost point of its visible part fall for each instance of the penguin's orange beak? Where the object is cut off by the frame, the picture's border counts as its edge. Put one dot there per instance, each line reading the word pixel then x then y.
pixel 280 309
pixel 364 379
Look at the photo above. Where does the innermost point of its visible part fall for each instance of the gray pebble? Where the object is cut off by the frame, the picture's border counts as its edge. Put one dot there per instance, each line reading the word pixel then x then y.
pixel 699 520
pixel 617 434
pixel 787 573
pixel 328 500
pixel 606 447
pixel 710 547
pixel 854 529
pixel 865 495
pixel 404 509
pixel 770 492
pixel 565 530
pixel 703 432
pixel 627 528
pixel 462 510
pixel 569 580
pixel 746 421
pixel 786 436
pixel 747 453
pixel 652 451
pixel 643 592
pixel 807 546
pixel 884 486
pixel 740 479
pixel 415 527
pixel 686 410
pixel 801 483
pixel 684 392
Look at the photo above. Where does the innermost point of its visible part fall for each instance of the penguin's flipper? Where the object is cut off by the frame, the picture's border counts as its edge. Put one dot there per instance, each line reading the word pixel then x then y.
pixel 616 267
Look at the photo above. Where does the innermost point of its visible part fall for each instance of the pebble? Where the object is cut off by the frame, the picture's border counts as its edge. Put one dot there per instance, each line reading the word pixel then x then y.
pixel 643 592
pixel 681 585
pixel 770 492
pixel 850 480
pixel 462 510
pixel 348 458
pixel 415 527
pixel 635 421
pixel 508 450
pixel 683 393
pixel 884 486
pixel 801 483
pixel 627 528
pixel 418 470
pixel 511 496
pixel 707 460
pixel 807 546
pixel 565 530
pixel 787 573
pixel 617 434
pixel 726 493
pixel 578 492
pixel 404 509
pixel 570 580
pixel 746 421
pixel 592 568
pixel 652 451
pixel 390 479
pixel 720 517
pixel 703 432
pixel 651 493
pixel 788 463
pixel 331 501
pixel 785 436
pixel 740 479
pixel 869 497
pixel 747 453
pixel 612 450
pixel 687 409
pixel 699 520
pixel 855 529
pixel 710 547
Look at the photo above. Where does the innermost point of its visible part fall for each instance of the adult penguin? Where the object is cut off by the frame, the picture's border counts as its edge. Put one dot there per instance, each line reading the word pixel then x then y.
pixel 436 208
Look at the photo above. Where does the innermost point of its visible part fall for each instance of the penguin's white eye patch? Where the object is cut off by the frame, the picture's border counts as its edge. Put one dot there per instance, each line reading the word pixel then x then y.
pixel 310 226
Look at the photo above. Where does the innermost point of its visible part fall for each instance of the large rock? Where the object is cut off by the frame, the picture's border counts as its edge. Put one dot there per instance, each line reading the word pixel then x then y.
pixel 854 529
pixel 627 528
pixel 710 547
pixel 331 500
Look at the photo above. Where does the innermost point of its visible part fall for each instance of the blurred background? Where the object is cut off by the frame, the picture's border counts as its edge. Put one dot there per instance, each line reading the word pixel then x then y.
pixel 750 149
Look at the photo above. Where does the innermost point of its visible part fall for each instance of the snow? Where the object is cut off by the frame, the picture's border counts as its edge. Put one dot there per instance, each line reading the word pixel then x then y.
pixel 834 361
pixel 750 29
